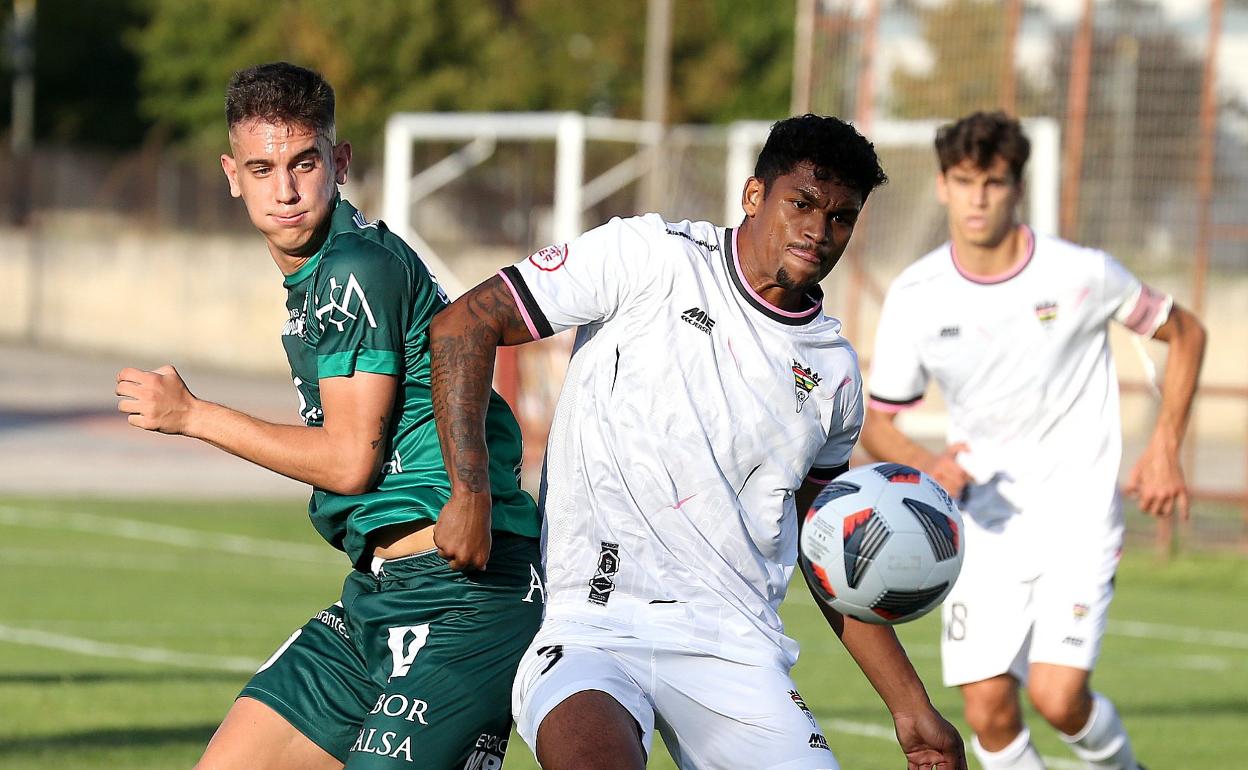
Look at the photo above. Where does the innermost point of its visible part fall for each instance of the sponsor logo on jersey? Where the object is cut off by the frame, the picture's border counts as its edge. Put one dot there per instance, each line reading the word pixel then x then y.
pixel 395 705
pixel 309 414
pixel 801 704
pixel 346 303
pixel 295 325
pixel 387 744
pixel 363 222
pixel 698 241
pixel 804 381
pixel 550 258
pixel 393 465
pixel 403 649
pixel 698 319
pixel 603 582
pixel 334 622
pixel 817 741
pixel 950 331
pixel 488 753
pixel 535 586
pixel 1046 312
pixel 1073 641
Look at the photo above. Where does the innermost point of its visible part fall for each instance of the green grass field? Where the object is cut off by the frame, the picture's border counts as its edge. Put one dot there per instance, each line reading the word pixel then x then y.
pixel 126 629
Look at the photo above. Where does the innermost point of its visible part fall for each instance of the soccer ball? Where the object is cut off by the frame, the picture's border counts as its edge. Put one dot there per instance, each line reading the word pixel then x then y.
pixel 882 543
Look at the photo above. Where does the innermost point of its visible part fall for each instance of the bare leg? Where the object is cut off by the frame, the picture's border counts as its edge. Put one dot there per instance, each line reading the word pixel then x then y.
pixel 1061 695
pixel 254 736
pixel 992 710
pixel 590 731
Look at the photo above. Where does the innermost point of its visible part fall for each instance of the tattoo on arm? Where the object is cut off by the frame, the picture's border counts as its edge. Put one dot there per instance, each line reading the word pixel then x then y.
pixel 462 370
pixel 381 434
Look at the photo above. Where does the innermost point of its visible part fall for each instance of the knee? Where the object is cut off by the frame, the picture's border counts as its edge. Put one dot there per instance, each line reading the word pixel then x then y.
pixel 1066 710
pixel 998 719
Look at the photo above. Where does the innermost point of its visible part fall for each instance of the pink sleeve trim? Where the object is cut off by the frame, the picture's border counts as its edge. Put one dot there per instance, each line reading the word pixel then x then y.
pixel 520 306
pixel 887 408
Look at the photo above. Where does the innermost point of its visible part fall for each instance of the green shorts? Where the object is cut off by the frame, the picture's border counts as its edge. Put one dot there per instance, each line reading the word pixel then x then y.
pixel 413 667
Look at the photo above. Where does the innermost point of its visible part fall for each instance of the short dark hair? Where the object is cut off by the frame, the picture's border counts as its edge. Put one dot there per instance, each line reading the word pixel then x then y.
pixel 980 137
pixel 832 146
pixel 281 92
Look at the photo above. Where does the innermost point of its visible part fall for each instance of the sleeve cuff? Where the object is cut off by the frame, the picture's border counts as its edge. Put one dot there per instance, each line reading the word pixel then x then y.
pixel 533 316
pixel 891 406
pixel 348 362
pixel 822 476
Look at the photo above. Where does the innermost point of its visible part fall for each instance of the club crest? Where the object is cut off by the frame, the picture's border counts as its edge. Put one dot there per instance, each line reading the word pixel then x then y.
pixel 804 381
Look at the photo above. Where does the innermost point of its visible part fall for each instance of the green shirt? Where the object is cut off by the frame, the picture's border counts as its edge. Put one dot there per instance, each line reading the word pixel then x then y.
pixel 363 304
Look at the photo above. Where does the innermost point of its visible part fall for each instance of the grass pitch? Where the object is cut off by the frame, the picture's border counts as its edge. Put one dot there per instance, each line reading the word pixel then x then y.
pixel 127 628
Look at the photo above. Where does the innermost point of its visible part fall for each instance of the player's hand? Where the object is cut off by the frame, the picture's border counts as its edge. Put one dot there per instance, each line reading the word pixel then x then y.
pixel 157 400
pixel 944 468
pixel 1156 481
pixel 929 741
pixel 462 533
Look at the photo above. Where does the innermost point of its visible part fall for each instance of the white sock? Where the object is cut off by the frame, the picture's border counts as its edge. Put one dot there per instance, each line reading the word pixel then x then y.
pixel 1019 755
pixel 1103 741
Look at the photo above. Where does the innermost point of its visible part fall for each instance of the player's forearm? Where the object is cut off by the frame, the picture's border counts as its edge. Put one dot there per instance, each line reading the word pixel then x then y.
pixel 885 442
pixel 462 351
pixel 883 660
pixel 1183 363
pixel 311 455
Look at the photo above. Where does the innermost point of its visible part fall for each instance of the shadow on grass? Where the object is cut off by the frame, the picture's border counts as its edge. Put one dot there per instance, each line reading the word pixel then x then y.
pixel 109 677
pixel 108 738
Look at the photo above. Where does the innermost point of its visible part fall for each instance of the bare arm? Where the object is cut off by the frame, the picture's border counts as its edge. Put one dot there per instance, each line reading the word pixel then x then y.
pixel 884 441
pixel 925 736
pixel 464 339
pixel 1157 480
pixel 342 456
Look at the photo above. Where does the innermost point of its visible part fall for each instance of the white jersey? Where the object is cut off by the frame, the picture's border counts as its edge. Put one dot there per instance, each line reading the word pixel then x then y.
pixel 1024 364
pixel 691 412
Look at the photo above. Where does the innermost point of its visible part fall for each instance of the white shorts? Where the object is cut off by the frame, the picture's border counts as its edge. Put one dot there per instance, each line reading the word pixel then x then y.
pixel 994 624
pixel 711 712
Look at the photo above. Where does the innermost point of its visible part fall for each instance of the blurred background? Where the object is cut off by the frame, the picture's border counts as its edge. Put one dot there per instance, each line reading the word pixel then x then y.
pixel 486 129
pixel 119 236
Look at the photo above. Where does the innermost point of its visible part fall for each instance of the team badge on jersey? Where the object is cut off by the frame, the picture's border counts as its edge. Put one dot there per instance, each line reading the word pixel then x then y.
pixel 346 303
pixel 1046 312
pixel 804 381
pixel 550 258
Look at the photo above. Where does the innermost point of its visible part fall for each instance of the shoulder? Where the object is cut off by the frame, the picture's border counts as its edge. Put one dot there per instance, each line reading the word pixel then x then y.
pixel 1073 262
pixel 365 247
pixel 925 272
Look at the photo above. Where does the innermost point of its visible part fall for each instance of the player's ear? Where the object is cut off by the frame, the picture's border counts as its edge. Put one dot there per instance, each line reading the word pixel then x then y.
pixel 231 173
pixel 752 196
pixel 342 159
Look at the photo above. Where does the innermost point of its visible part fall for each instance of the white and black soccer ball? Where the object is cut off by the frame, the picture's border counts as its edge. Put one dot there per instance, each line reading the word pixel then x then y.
pixel 882 543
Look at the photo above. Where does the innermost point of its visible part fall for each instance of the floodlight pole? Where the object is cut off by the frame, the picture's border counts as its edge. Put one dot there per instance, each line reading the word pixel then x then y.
pixel 22 136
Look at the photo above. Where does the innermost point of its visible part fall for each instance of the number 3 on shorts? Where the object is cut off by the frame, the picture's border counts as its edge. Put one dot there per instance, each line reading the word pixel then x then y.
pixel 552 651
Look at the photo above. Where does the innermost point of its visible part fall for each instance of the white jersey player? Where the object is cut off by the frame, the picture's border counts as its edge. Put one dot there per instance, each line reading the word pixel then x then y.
pixel 707 400
pixel 1013 327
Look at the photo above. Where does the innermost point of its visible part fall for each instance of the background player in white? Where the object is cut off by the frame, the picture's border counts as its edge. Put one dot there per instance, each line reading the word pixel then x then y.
pixel 1013 328
pixel 707 400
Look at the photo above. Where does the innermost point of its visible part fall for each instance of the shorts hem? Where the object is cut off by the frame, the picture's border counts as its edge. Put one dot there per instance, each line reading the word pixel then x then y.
pixel 294 718
pixel 553 703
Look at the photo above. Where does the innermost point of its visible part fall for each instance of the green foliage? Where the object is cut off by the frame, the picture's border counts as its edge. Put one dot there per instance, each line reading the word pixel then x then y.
pixel 730 58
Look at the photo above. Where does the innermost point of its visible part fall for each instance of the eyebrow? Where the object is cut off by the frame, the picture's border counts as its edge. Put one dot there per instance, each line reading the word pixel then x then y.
pixel 254 162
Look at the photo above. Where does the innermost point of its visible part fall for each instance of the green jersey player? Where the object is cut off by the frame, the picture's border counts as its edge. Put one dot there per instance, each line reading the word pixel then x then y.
pixel 415 661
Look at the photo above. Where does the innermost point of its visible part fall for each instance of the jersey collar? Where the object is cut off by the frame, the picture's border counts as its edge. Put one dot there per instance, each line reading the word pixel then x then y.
pixel 988 280
pixel 787 317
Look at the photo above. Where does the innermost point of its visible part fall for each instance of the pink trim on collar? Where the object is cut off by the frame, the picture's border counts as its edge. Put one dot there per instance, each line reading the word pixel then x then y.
pixel 999 277
pixel 736 264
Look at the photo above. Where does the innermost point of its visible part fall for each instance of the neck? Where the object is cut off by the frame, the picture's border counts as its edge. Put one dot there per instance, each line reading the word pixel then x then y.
pixel 995 259
pixel 765 286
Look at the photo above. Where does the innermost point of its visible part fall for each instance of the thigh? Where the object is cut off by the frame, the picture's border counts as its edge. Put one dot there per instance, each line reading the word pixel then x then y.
pixel 985 627
pixel 1072 610
pixel 719 714
pixel 564 660
pixel 317 682
pixel 253 735
pixel 443 648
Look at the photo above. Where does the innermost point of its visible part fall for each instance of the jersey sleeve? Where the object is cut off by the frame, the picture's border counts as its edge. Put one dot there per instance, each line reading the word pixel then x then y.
pixel 898 378
pixel 362 305
pixel 1131 302
pixel 587 280
pixel 843 431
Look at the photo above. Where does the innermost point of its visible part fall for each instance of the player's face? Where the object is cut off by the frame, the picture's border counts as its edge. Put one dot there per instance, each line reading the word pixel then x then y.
pixel 981 201
pixel 288 177
pixel 803 225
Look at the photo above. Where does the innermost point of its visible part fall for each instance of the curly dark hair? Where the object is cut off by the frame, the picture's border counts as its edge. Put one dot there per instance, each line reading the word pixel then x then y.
pixel 281 92
pixel 980 137
pixel 832 146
